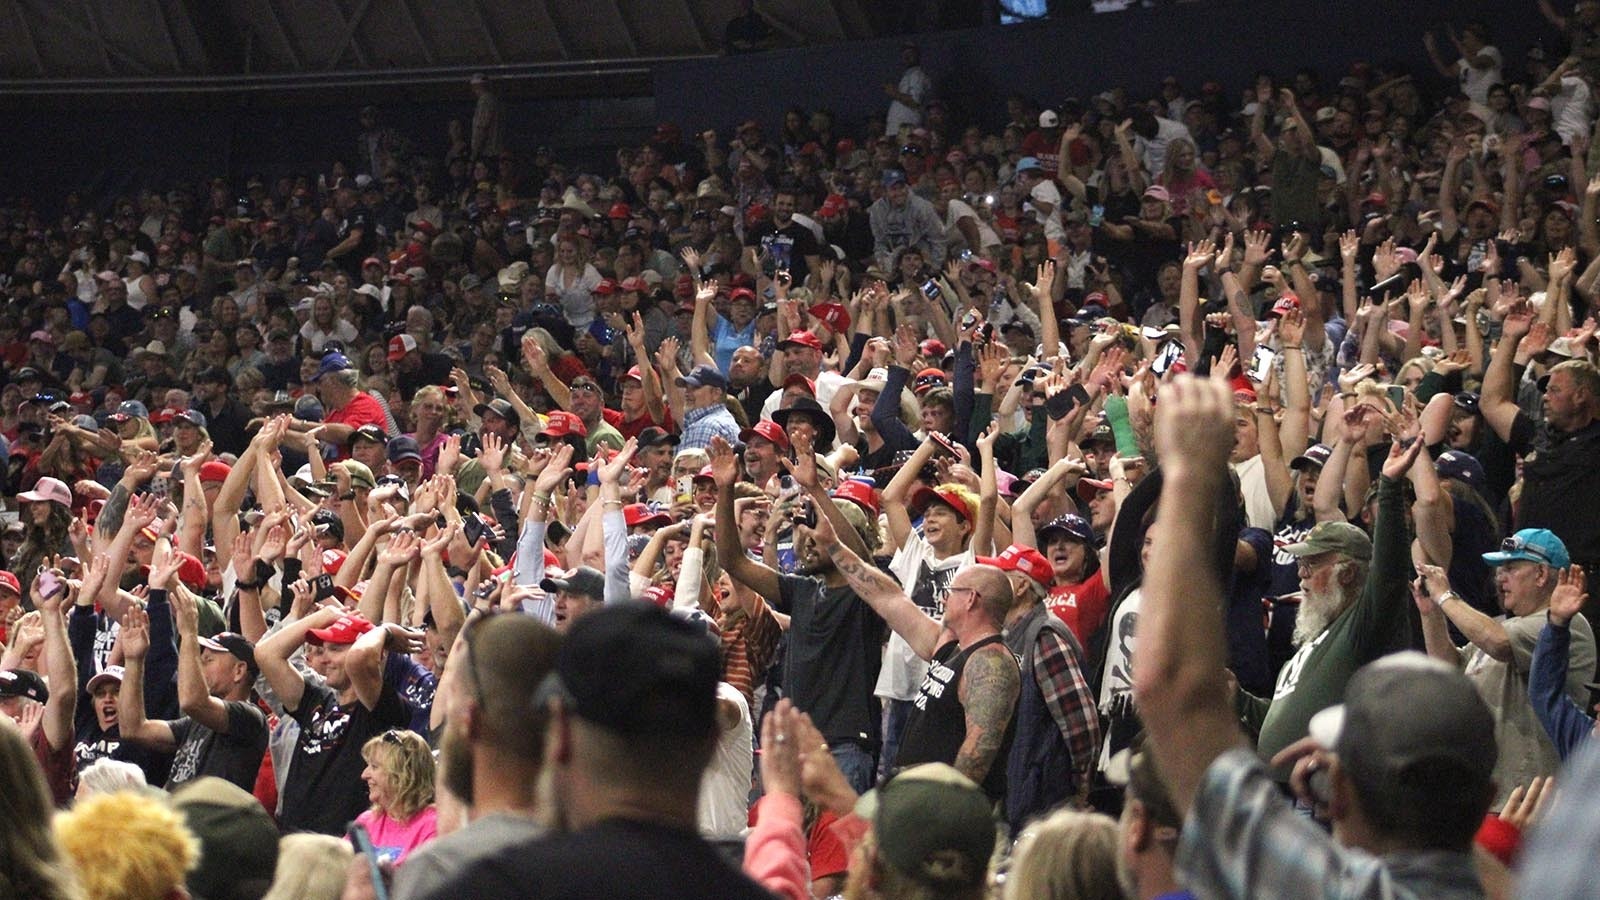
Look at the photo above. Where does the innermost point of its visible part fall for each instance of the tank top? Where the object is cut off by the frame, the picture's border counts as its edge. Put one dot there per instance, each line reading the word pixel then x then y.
pixel 937 725
pixel 136 295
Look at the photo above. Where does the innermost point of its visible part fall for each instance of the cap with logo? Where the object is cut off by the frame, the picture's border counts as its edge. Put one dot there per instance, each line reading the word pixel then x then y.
pixel 1538 545
pixel 344 630
pixel 1024 560
pixel 1332 537
pixel 924 816
pixel 584 581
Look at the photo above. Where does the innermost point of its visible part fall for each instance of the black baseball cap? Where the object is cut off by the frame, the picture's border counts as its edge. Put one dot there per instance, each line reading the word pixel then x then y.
pixel 23 683
pixel 655 437
pixel 632 668
pixel 233 643
pixel 583 580
pixel 369 432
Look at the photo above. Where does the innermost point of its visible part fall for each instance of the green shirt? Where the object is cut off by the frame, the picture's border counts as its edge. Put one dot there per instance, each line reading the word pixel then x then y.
pixel 604 435
pixel 1376 624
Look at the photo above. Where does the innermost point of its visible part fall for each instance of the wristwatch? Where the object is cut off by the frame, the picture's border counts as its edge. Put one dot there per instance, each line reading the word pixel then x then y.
pixel 1447 595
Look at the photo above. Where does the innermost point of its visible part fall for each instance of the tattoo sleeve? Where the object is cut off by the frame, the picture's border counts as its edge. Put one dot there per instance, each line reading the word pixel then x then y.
pixel 989 687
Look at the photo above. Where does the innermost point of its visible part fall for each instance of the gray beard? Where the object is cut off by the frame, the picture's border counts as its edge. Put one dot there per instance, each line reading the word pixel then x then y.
pixel 1317 612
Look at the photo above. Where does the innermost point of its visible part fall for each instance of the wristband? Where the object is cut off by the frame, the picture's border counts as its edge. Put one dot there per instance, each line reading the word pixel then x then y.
pixel 594 477
pixel 1291 347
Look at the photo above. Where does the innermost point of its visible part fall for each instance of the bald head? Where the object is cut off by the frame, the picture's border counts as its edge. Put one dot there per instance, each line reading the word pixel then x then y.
pixel 994 586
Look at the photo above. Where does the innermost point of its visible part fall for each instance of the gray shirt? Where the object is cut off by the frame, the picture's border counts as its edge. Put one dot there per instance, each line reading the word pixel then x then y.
pixel 436 862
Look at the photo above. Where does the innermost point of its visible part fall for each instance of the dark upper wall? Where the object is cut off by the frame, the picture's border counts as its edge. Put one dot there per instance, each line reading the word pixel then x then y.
pixel 98 145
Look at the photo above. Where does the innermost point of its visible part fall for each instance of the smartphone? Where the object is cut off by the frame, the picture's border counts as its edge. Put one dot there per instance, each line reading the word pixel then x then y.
pixel 324 585
pixel 472 528
pixel 1169 353
pixel 363 844
pixel 1397 395
pixel 931 288
pixel 1097 214
pixel 782 253
pixel 806 515
pixel 49 582
pixel 1394 284
pixel 1261 365
pixel 944 443
pixel 684 485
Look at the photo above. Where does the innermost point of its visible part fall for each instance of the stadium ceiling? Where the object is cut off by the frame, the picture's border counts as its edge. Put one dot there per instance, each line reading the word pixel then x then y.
pixel 86 47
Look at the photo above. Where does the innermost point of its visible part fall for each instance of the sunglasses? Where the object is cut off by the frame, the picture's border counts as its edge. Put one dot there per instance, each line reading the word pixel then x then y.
pixel 1515 544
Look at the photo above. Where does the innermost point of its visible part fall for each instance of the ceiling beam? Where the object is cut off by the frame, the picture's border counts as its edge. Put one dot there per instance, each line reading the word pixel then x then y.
pixel 416 32
pixel 347 41
pixel 488 33
pixel 27 32
pixel 108 53
pixel 283 34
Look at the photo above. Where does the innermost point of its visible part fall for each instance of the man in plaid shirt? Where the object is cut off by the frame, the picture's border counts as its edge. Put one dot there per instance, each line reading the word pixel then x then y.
pixel 1058 727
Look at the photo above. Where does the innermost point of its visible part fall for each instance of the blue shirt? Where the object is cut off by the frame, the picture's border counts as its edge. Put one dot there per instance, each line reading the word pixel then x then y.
pixel 1565 721
pixel 700 425
pixel 725 339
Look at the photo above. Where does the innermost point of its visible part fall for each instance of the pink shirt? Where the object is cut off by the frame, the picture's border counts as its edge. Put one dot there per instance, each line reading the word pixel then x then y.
pixel 394 840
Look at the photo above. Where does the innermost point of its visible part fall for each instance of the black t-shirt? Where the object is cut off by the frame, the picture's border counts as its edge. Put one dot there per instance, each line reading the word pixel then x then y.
pixel 324 790
pixel 312 242
pixel 835 651
pixel 358 218
pixel 235 756
pixel 1560 484
pixel 613 860
pixel 801 241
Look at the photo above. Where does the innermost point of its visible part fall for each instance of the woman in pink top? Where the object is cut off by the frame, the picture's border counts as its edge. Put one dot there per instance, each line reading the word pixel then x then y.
pixel 399 777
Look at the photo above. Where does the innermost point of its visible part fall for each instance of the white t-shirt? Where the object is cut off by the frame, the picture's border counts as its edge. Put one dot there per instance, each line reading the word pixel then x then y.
pixel 915 83
pixel 1153 151
pixel 953 215
pixel 725 789
pixel 1045 192
pixel 926 579
pixel 1116 678
pixel 1572 108
pixel 1475 83
pixel 1257 502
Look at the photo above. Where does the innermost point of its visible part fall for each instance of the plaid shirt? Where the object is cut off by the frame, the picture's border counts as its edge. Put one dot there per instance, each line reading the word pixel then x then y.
pixel 700 425
pixel 1243 839
pixel 1060 675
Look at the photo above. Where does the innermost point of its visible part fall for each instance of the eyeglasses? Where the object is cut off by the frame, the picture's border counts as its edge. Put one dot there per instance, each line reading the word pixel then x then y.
pixel 1515 544
pixel 392 736
pixel 966 590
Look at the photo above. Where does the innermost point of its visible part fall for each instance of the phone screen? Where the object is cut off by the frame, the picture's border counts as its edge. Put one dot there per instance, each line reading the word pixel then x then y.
pixel 363 844
pixel 1261 365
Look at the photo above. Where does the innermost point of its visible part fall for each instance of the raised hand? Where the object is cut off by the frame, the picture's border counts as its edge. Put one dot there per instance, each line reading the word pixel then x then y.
pixel 493 455
pixel 164 565
pixel 1291 328
pixel 667 355
pixel 1401 456
pixel 1256 252
pixel 449 455
pixel 804 465
pixel 554 470
pixel 185 614
pixel 724 462
pixel 611 470
pixel 1194 422
pixel 134 634
pixel 1570 594
pixel 1349 246
pixel 533 354
pixel 1524 807
pixel 402 548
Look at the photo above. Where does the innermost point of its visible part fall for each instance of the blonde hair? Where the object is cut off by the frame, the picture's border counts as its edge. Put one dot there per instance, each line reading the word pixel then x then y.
pixel 310 867
pixel 1070 855
pixel 127 845
pixel 408 761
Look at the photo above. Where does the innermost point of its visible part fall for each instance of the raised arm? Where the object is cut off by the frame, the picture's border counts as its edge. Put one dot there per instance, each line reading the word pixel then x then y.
pixel 880 591
pixel 364 661
pixel 897 496
pixel 273 653
pixel 60 668
pixel 1179 683
pixel 131 722
pixel 743 569
pixel 1498 402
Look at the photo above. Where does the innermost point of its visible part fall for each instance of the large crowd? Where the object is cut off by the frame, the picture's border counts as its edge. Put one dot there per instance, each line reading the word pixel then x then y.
pixel 1174 495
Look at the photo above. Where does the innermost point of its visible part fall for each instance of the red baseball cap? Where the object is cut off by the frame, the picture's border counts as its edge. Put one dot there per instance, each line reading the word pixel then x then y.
pixel 636 374
pixel 9 580
pixel 191 571
pixel 1088 487
pixel 659 594
pixel 562 423
pixel 933 348
pixel 333 559
pixel 344 630
pixel 619 211
pixel 743 293
pixel 765 428
pixel 606 286
pixel 833 315
pixel 215 470
pixel 927 495
pixel 635 283
pixel 636 514
pixel 798 380
pixel 803 339
pixel 928 379
pixel 860 493
pixel 1026 560
pixel 1286 301
pixel 400 345
pixel 683 287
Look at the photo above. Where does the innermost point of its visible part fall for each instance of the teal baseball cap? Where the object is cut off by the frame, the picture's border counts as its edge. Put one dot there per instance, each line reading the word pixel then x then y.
pixel 1538 545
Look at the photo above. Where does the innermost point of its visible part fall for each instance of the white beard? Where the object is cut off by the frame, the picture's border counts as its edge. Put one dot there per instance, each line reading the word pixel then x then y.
pixel 1316 613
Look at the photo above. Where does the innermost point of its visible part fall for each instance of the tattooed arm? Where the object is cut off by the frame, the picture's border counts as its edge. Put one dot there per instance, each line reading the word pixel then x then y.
pixel 881 592
pixel 989 686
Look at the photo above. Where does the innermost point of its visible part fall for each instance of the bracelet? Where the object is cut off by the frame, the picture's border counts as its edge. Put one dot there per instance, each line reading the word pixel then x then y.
pixel 1291 347
pixel 1263 410
pixel 1447 595
pixel 611 504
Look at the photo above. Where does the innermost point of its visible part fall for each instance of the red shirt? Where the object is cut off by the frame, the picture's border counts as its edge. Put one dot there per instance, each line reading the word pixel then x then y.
pixel 1081 606
pixel 57 765
pixel 362 409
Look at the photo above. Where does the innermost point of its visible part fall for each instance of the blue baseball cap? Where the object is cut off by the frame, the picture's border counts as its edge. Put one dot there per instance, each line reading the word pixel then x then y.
pixel 1463 467
pixel 332 362
pixel 1029 164
pixel 893 177
pixel 1538 545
